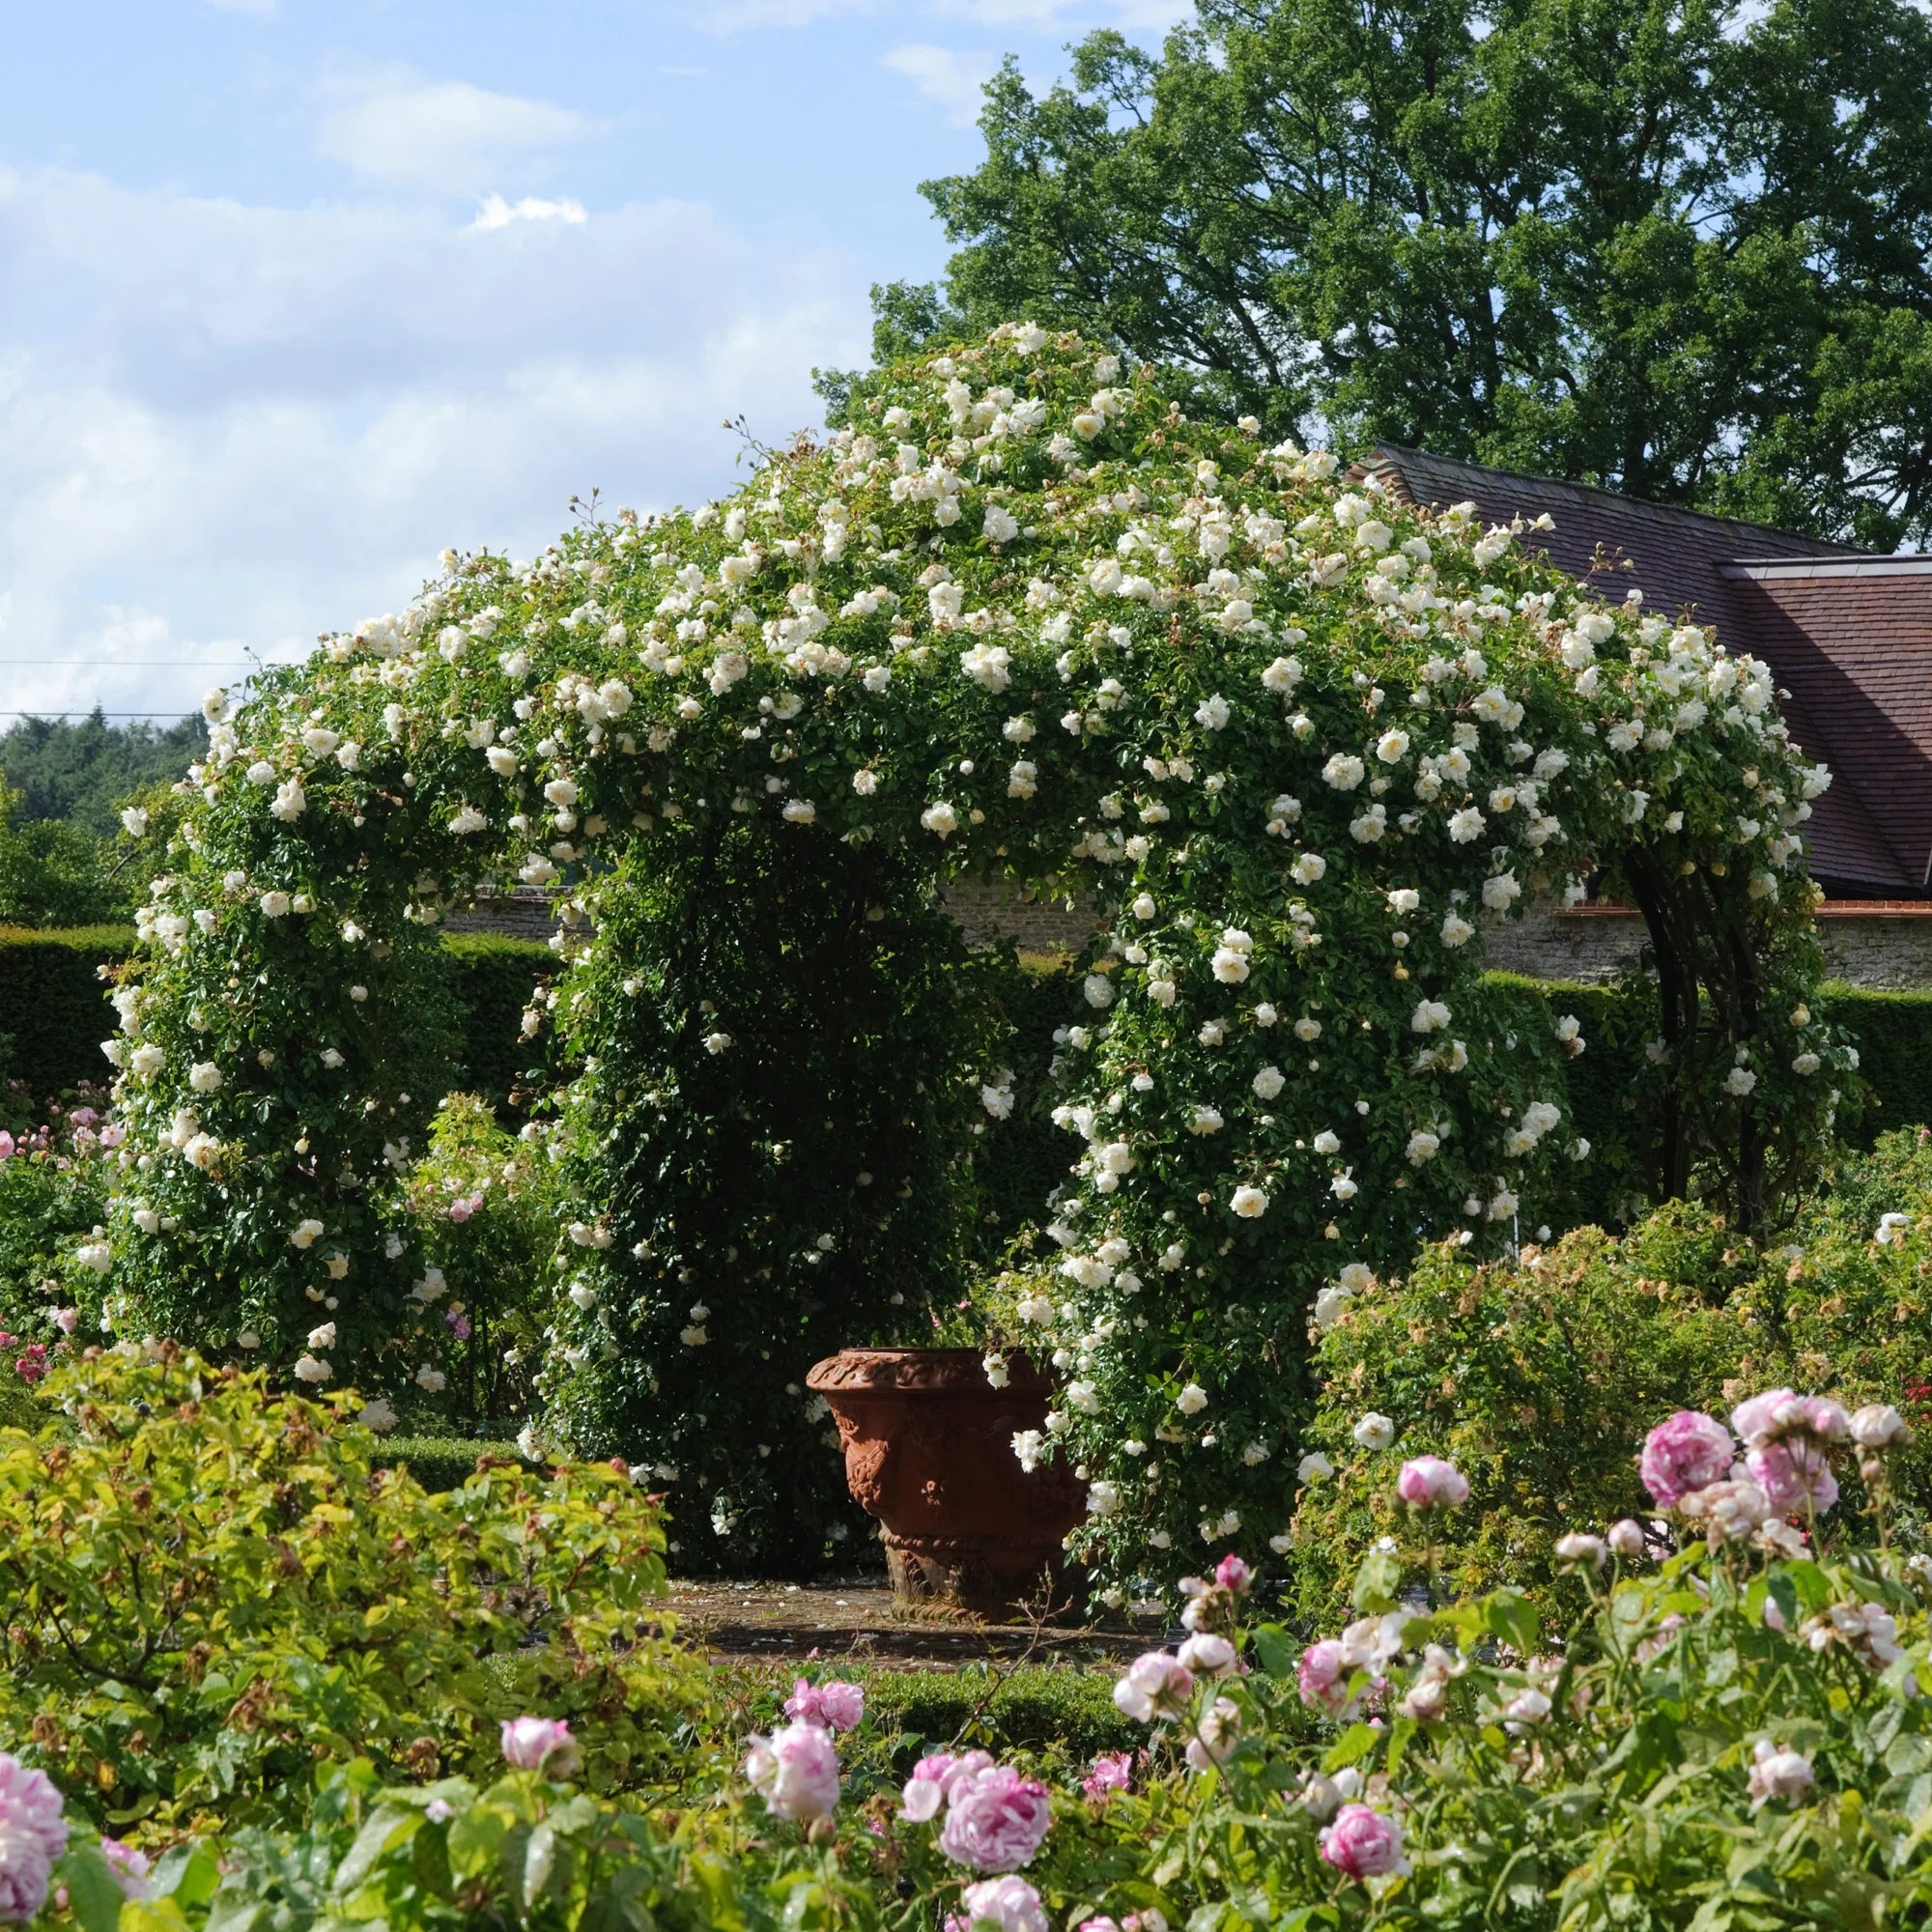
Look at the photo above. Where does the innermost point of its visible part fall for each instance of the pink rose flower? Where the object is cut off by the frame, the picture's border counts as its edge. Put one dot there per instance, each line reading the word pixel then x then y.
pixel 1685 1452
pixel 1428 1482
pixel 995 1820
pixel 66 1318
pixel 1156 1687
pixel 796 1772
pixel 1231 1573
pixel 1108 1772
pixel 31 1363
pixel 932 1779
pixel 1010 1903
pixel 6 1145
pixel 33 1834
pixel 130 1868
pixel 1794 1476
pixel 1322 1677
pixel 1776 1413
pixel 540 1743
pixel 837 1705
pixel 1362 1844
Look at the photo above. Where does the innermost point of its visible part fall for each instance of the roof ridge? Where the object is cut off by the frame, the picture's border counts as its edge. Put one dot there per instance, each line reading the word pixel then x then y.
pixel 1392 453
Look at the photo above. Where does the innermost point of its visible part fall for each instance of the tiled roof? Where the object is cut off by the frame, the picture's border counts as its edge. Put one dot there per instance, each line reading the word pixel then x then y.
pixel 1849 636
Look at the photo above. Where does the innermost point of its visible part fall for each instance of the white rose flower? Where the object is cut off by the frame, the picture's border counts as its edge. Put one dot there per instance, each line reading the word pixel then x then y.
pixel 1249 1203
pixel 309 1370
pixel 1374 1432
pixel 1268 1082
pixel 290 801
pixel 206 1077
pixel 1191 1400
pixel 1314 1468
pixel 305 1235
pixel 1343 771
pixel 1391 746
pixel 135 821
pixel 940 818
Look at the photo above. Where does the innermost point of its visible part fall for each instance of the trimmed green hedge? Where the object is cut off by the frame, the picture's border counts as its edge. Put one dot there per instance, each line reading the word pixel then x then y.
pixel 58 1013
pixel 441 1463
pixel 1895 1036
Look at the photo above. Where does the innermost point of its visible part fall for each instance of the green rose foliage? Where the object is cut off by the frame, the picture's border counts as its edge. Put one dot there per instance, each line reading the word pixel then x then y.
pixel 1527 1376
pixel 1299 743
pixel 210 1588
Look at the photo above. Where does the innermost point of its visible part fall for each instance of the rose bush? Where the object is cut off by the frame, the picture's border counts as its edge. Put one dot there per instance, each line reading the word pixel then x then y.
pixel 1301 742
pixel 209 1588
pixel 1734 1725
pixel 1525 1374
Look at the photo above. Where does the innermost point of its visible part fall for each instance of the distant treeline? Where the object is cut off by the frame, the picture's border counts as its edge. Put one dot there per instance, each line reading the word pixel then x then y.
pixel 63 859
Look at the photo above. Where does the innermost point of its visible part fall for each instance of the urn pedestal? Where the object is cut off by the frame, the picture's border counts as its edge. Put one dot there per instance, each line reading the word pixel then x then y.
pixel 928 1446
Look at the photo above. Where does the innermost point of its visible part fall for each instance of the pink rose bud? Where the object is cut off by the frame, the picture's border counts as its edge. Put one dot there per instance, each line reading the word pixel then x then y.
pixel 1428 1482
pixel 540 1743
pixel 1322 1677
pixel 1231 1573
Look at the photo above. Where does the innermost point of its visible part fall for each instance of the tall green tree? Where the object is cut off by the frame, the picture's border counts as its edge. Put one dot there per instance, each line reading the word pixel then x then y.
pixel 1675 247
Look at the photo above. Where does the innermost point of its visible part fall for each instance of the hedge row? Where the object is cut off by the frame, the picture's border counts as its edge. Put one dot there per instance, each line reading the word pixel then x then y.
pixel 57 1012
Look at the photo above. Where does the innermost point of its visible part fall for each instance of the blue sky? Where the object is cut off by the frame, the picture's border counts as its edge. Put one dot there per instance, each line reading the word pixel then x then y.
pixel 292 293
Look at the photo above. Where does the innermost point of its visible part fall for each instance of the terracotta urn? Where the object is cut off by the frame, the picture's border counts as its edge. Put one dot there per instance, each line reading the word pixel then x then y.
pixel 928 1446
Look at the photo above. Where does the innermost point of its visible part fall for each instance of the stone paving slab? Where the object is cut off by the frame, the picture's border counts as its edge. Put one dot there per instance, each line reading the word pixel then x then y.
pixel 792 1620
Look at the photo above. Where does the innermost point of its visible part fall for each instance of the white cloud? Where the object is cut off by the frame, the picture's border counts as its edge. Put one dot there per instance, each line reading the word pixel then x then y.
pixel 391 125
pixel 736 16
pixel 1131 15
pixel 497 213
pixel 244 425
pixel 947 78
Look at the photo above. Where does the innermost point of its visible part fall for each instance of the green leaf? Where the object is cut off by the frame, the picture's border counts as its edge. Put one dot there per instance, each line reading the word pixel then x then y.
pixel 92 1887
pixel 389 1825
pixel 1275 1649
pixel 1376 1583
pixel 1514 1619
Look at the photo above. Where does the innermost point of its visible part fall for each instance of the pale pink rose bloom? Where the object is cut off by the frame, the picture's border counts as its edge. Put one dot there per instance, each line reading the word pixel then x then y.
pixel 1363 1844
pixel 1777 1771
pixel 1428 1482
pixel 540 1743
pixel 1685 1452
pixel 1794 1475
pixel 33 1834
pixel 1208 1654
pixel 796 1772
pixel 1323 1678
pixel 837 1705
pixel 995 1820
pixel 1010 1903
pixel 933 1777
pixel 66 1318
pixel 130 1868
pixel 1108 1772
pixel 1156 1687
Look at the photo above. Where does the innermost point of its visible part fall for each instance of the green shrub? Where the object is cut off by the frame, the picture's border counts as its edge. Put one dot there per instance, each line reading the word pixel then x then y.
pixel 210 1588
pixel 1893 1032
pixel 1527 1375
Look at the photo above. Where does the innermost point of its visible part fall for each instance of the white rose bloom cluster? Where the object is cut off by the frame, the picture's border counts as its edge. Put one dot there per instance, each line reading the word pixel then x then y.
pixel 1299 745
